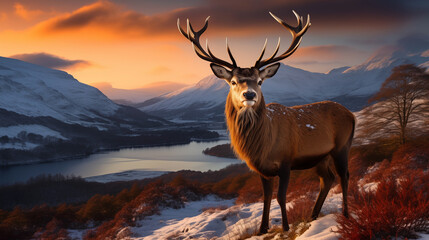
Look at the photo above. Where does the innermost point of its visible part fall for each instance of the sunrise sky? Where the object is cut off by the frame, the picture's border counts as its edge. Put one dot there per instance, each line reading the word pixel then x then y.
pixel 131 43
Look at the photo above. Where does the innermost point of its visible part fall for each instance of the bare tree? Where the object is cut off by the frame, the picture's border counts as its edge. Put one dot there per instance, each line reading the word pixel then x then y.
pixel 402 99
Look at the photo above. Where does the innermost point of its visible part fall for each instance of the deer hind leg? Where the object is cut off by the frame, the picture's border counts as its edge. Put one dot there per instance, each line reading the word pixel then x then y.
pixel 267 185
pixel 327 177
pixel 341 165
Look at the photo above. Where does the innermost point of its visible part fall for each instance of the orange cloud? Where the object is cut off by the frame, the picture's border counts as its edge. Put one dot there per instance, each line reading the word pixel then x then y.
pixel 25 13
pixel 102 16
pixel 238 17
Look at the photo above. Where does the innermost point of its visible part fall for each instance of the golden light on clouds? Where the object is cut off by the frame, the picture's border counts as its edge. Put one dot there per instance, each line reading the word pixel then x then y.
pixel 129 45
pixel 26 14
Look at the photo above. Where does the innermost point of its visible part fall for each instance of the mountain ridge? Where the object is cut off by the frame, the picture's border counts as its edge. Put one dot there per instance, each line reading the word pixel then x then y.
pixel 350 86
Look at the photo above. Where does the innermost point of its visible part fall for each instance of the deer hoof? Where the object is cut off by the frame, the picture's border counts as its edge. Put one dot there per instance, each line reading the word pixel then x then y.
pixel 286 228
pixel 262 231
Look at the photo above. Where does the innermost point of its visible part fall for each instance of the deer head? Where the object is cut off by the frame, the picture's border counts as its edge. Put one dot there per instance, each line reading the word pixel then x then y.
pixel 245 83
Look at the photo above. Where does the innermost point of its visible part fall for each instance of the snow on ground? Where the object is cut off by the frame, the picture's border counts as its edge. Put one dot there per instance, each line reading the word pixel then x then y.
pixel 321 229
pixel 13 131
pixel 369 187
pixel 227 221
pixel 125 176
pixel 423 236
pixel 75 234
pixel 20 146
pixel 188 221
pixel 215 218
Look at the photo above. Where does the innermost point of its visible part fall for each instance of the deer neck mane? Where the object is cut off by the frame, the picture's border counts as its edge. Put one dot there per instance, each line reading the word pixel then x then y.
pixel 250 132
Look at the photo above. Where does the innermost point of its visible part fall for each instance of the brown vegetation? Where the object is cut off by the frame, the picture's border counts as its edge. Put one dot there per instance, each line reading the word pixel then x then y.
pixel 395 209
pixel 404 99
pixel 399 207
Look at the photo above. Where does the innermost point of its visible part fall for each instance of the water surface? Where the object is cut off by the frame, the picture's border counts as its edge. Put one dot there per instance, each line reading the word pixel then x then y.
pixel 165 158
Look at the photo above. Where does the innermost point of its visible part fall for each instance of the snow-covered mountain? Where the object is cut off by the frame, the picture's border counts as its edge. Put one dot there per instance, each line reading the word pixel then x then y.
pixel 131 96
pixel 36 91
pixel 351 86
pixel 42 107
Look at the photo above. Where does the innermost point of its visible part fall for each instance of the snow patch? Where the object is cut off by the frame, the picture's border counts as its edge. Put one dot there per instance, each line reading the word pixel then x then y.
pixel 13 131
pixel 125 176
pixel 18 146
pixel 321 229
pixel 370 187
pixel 186 222
pixel 228 222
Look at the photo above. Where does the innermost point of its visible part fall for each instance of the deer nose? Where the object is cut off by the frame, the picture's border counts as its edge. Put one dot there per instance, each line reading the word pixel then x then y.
pixel 249 95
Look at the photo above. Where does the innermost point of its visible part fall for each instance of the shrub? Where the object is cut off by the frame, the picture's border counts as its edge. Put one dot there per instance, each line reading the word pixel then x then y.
pixel 251 191
pixel 99 208
pixel 395 209
pixel 15 226
pixel 53 231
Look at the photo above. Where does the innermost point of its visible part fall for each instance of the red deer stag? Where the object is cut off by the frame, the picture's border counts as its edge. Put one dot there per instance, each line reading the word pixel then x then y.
pixel 273 139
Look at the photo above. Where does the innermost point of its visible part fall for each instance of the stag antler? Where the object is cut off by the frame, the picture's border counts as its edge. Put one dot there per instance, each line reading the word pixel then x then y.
pixel 296 32
pixel 194 37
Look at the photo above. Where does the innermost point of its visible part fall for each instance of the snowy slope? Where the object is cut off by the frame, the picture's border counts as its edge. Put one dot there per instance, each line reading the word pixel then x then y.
pixel 214 218
pixel 351 86
pixel 33 90
pixel 41 106
pixel 132 96
pixel 223 220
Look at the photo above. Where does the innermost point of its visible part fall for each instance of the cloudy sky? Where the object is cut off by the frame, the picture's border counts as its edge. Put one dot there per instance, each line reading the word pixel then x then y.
pixel 131 43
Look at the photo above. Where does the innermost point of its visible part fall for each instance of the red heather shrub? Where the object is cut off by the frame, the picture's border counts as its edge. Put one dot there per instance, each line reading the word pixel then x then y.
pixel 52 231
pixel 408 160
pixel 398 208
pixel 357 166
pixel 252 191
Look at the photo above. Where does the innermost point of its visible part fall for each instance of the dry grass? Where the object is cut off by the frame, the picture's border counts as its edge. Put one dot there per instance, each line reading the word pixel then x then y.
pixel 276 232
pixel 211 210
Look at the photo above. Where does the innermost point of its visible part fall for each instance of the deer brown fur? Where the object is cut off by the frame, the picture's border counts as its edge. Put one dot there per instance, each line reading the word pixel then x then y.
pixel 274 139
pixel 278 142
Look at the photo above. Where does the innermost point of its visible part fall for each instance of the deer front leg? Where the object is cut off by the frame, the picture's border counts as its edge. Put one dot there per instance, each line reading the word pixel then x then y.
pixel 267 185
pixel 281 196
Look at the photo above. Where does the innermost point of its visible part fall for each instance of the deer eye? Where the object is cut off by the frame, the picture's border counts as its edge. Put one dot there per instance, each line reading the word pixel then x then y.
pixel 233 83
pixel 259 82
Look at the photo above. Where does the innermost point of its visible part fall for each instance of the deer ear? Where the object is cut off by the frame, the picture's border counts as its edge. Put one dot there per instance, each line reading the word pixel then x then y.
pixel 221 72
pixel 269 71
